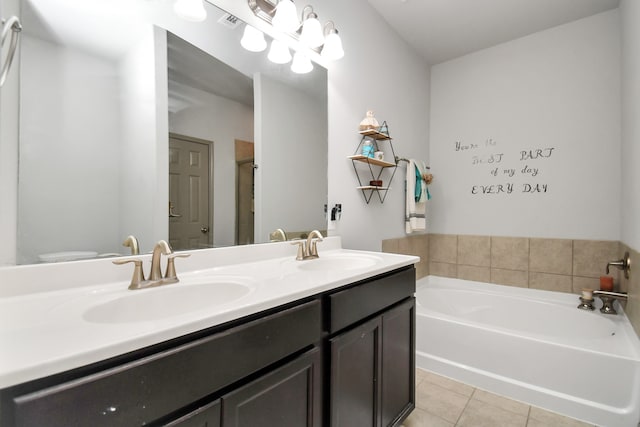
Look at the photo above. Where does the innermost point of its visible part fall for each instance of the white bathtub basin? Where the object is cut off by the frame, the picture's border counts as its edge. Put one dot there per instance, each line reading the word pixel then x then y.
pixel 533 346
pixel 165 301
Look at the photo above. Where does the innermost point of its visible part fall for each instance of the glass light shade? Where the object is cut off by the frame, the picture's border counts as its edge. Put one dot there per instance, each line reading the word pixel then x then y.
pixel 332 49
pixel 312 32
pixel 286 17
pixel 191 10
pixel 253 39
pixel 301 64
pixel 279 52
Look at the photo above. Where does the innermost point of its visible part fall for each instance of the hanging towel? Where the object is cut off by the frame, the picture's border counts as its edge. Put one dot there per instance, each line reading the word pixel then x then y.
pixel 415 201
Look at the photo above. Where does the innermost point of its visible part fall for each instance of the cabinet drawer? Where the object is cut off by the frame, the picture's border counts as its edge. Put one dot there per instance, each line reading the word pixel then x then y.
pixel 147 389
pixel 356 303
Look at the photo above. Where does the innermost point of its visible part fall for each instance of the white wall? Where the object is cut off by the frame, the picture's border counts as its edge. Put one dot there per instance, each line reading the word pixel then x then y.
pixel 379 72
pixel 9 150
pixel 62 121
pixel 557 89
pixel 630 14
pixel 142 207
pixel 289 150
pixel 222 121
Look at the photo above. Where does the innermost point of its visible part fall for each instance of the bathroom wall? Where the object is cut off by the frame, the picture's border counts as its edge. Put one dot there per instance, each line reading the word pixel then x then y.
pixel 66 96
pixel 630 230
pixel 379 72
pixel 287 149
pixel 9 152
pixel 144 142
pixel 525 136
pixel 205 121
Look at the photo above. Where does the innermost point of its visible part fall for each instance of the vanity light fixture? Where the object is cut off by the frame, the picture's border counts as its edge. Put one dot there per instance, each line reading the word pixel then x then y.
pixel 301 63
pixel 279 52
pixel 283 16
pixel 286 17
pixel 253 39
pixel 332 49
pixel 191 10
pixel 311 34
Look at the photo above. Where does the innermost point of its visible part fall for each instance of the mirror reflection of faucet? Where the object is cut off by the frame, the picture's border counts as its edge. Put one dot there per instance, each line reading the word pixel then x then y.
pixel 156 278
pixel 132 243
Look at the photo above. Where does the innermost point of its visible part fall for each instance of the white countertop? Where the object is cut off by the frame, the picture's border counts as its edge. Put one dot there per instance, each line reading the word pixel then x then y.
pixel 45 329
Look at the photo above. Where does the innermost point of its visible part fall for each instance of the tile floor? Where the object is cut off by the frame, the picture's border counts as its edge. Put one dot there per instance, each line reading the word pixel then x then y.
pixel 442 402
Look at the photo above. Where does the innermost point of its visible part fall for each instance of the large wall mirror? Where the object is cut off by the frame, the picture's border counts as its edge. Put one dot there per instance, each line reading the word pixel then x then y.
pixel 134 122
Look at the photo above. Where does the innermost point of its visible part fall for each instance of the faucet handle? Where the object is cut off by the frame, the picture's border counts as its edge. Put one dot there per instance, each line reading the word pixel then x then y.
pixel 300 254
pixel 138 272
pixel 170 273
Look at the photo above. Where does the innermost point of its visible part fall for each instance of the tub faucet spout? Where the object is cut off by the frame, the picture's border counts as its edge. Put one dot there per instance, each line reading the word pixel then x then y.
pixel 624 264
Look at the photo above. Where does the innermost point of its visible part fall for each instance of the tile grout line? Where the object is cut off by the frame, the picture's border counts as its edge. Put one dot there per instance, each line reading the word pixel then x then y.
pixel 465 406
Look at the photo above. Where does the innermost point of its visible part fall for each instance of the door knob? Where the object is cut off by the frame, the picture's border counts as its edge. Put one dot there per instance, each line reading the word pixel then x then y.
pixel 204 230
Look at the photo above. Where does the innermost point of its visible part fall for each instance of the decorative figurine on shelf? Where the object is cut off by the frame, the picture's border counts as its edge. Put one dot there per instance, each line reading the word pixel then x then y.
pixel 369 122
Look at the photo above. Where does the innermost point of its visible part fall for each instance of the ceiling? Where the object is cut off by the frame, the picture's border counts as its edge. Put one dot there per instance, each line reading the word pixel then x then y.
pixel 441 30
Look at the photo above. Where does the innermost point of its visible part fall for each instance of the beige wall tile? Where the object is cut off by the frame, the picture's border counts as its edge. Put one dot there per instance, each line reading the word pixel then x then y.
pixel 585 282
pixel 550 282
pixel 551 256
pixel 474 250
pixel 510 277
pixel 443 269
pixel 443 248
pixel 511 253
pixel 590 257
pixel 471 272
pixel 390 246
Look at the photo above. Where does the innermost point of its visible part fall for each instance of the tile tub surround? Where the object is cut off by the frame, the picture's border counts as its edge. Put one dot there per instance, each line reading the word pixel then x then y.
pixel 443 402
pixel 562 265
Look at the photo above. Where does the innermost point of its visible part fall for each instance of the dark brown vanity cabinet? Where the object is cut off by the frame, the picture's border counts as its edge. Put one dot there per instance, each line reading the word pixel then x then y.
pixel 373 364
pixel 340 358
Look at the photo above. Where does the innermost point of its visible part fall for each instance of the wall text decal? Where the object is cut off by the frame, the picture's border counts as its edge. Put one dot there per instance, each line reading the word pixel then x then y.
pixel 527 164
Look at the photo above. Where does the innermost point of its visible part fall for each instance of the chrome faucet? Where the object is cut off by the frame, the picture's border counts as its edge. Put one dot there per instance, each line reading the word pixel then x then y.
pixel 624 264
pixel 155 277
pixel 608 298
pixel 308 249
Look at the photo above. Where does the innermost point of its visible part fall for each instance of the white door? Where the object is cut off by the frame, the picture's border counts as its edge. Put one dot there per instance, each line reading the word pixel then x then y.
pixel 189 193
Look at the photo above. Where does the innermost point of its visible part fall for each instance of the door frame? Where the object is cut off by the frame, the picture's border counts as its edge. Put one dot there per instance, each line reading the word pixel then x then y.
pixel 211 145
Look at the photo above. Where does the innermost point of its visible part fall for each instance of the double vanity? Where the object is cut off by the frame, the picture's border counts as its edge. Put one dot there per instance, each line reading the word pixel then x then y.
pixel 248 337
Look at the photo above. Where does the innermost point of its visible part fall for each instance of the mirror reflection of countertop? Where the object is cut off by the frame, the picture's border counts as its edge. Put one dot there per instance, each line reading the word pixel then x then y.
pixel 53 320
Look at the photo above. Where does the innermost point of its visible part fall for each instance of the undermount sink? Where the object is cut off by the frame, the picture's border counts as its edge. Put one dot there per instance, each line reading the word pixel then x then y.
pixel 166 301
pixel 340 262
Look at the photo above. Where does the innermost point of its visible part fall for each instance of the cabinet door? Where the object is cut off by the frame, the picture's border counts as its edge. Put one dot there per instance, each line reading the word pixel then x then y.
pixel 355 369
pixel 398 363
pixel 290 396
pixel 207 416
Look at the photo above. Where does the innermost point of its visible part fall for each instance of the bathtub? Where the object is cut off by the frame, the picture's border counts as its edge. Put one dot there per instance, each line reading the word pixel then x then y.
pixel 530 345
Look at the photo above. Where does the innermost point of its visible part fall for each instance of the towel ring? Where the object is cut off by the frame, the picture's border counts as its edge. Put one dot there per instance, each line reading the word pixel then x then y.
pixel 12 24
